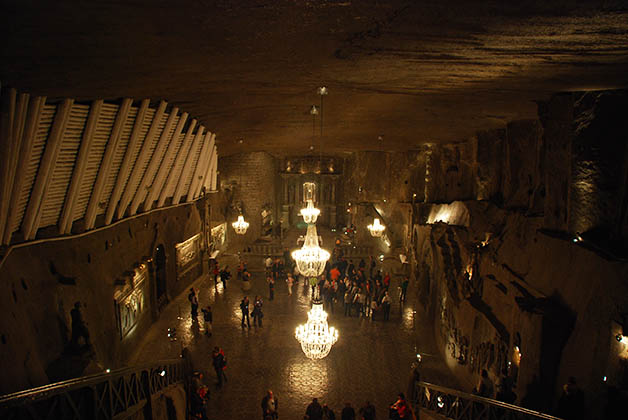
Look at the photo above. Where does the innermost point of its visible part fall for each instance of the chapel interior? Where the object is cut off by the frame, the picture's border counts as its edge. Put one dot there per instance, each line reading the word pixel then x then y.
pixel 490 138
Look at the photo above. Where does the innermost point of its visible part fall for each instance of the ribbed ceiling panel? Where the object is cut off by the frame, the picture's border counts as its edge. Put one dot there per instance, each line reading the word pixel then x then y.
pixel 62 167
pixel 45 122
pixel 160 127
pixel 55 195
pixel 125 136
pixel 194 161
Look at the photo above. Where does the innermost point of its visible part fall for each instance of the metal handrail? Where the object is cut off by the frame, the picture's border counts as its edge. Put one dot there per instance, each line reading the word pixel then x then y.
pixel 99 396
pixel 457 405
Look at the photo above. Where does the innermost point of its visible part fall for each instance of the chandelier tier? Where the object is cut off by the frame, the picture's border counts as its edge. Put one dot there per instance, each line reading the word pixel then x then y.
pixel 310 213
pixel 316 337
pixel 240 226
pixel 376 228
pixel 311 258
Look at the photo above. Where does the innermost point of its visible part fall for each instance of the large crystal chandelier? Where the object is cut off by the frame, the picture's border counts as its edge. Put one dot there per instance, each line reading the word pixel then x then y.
pixel 316 337
pixel 376 228
pixel 311 258
pixel 240 226
pixel 310 213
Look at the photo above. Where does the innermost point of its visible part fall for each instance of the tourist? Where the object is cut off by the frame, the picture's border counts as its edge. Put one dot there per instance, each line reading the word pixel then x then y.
pixel 224 276
pixel 347 301
pixel 270 406
pixel 505 393
pixel 328 413
pixel 290 282
pixel 386 306
pixel 571 402
pixel 193 303
pixel 368 411
pixel 485 387
pixel 220 364
pixel 400 409
pixel 404 289
pixel 207 318
pixel 271 288
pixel 314 411
pixel 216 272
pixel 348 413
pixel 257 312
pixel 244 307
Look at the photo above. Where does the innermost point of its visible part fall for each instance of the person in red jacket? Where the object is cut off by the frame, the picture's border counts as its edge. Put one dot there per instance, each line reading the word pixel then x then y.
pixel 400 408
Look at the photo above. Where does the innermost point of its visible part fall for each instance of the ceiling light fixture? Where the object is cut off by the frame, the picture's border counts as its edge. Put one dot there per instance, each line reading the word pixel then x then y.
pixel 376 228
pixel 240 226
pixel 310 213
pixel 316 337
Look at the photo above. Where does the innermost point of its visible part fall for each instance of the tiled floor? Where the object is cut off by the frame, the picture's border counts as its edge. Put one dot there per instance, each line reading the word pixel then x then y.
pixel 370 361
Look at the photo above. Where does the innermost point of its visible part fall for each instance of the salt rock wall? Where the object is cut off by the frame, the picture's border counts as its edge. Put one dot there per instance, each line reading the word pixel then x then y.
pixel 534 285
pixel 517 302
pixel 41 282
pixel 249 180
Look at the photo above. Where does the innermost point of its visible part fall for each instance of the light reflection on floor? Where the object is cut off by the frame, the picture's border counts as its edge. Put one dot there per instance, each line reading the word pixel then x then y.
pixel 316 374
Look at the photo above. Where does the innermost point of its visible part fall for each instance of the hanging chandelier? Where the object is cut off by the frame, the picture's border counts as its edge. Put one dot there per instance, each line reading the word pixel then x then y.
pixel 240 226
pixel 316 337
pixel 376 228
pixel 311 258
pixel 310 213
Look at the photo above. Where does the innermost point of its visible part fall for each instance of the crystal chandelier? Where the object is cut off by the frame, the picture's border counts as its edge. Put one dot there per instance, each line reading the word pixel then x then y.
pixel 316 337
pixel 310 213
pixel 240 226
pixel 376 228
pixel 311 258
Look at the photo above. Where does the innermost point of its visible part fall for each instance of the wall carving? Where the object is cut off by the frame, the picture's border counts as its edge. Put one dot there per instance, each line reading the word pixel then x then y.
pixel 129 300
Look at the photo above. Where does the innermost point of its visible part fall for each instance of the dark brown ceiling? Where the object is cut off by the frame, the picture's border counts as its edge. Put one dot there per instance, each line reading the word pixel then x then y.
pixel 413 71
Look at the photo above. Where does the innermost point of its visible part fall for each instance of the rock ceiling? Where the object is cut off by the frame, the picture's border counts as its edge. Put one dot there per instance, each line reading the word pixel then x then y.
pixel 411 71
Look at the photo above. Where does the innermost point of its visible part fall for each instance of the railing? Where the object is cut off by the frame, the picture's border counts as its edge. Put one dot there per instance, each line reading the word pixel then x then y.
pixel 456 405
pixel 101 396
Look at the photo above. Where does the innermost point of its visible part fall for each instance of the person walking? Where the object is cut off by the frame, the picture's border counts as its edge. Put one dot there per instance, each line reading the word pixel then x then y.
pixel 290 282
pixel 270 406
pixel 220 364
pixel 244 307
pixel 208 319
pixel 224 276
pixel 314 411
pixel 271 288
pixel 257 312
pixel 193 303
pixel 404 289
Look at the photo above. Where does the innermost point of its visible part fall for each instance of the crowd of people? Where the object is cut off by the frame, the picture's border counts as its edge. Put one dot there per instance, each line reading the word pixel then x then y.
pixel 362 290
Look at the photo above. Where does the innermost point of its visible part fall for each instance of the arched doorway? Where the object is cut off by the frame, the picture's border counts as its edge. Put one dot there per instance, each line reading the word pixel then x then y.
pixel 160 275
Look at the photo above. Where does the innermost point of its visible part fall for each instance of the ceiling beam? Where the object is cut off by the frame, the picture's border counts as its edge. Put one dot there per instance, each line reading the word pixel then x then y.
pixel 129 190
pixel 202 166
pixel 182 154
pixel 176 198
pixel 144 187
pixel 207 179
pixel 30 224
pixel 118 189
pixel 80 166
pixel 105 163
pixel 36 107
pixel 158 182
pixel 203 158
pixel 9 101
